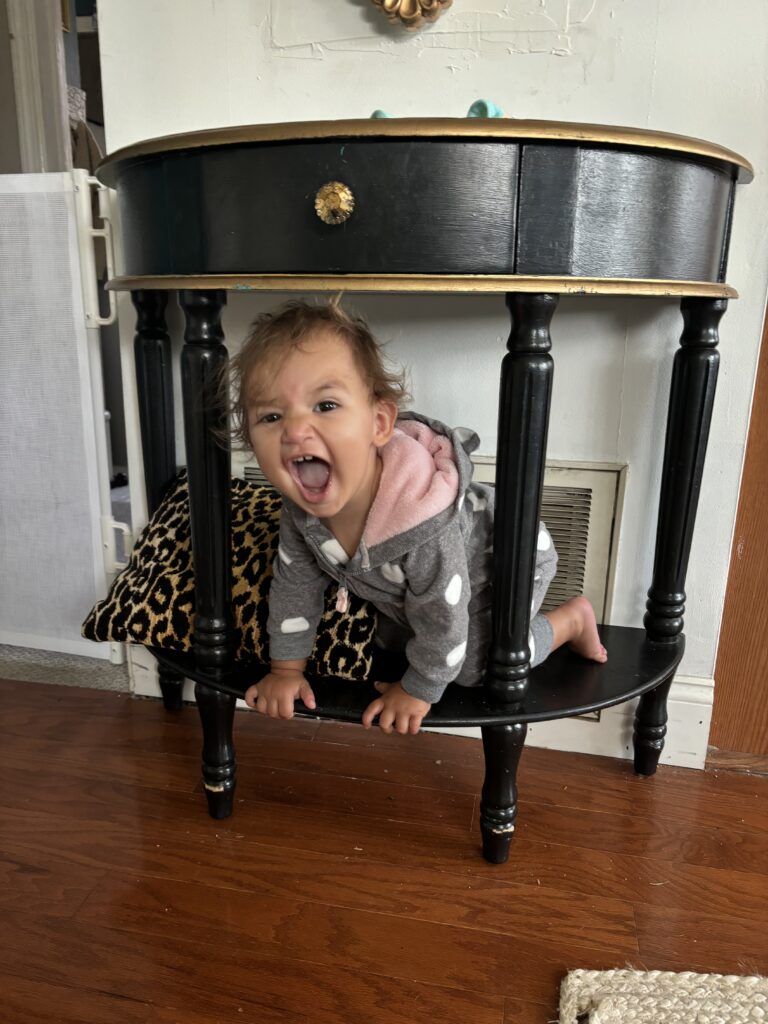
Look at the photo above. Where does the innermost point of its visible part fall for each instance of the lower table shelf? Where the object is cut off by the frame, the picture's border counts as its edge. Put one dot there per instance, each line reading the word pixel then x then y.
pixel 562 686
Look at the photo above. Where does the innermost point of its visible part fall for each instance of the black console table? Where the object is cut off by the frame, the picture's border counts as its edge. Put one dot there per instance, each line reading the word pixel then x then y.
pixel 529 209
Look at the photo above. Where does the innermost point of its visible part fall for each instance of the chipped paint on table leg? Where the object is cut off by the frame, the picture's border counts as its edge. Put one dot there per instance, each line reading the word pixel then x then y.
pixel 502 745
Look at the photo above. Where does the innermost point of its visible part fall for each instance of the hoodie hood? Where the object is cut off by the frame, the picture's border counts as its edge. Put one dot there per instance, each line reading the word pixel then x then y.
pixel 426 470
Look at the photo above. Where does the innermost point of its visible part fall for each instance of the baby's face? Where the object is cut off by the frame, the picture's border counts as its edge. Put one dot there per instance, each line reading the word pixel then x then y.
pixel 315 429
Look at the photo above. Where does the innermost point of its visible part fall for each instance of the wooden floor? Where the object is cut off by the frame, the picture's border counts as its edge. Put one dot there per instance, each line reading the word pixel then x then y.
pixel 348 886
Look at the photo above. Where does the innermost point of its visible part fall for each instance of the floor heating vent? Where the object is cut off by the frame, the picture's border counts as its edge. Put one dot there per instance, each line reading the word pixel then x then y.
pixel 250 472
pixel 581 505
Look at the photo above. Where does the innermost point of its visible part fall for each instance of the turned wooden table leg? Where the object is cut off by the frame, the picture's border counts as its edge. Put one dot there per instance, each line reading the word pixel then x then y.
pixel 171 687
pixel 208 463
pixel 203 358
pixel 650 728
pixel 691 399
pixel 502 746
pixel 217 712
pixel 526 384
pixel 154 384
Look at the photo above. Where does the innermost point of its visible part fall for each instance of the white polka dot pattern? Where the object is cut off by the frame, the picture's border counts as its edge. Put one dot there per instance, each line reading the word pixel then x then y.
pixel 393 573
pixel 334 552
pixel 543 543
pixel 455 656
pixel 453 590
pixel 297 625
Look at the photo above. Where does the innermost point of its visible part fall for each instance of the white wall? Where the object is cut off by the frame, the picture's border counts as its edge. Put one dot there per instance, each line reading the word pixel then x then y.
pixel 696 67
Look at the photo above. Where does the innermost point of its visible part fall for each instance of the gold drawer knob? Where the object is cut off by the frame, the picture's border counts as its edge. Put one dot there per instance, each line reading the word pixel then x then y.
pixel 334 202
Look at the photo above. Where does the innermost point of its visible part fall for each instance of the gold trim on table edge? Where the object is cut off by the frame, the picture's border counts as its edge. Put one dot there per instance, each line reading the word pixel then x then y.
pixel 443 283
pixel 430 127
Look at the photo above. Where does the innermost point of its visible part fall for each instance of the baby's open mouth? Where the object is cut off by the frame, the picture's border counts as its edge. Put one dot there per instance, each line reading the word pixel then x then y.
pixel 312 474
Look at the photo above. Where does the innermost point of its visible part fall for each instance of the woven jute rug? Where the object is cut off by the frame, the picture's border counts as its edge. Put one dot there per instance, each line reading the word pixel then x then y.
pixel 662 997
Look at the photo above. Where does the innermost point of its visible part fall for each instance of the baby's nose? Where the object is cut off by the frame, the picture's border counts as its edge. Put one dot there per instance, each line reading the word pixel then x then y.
pixel 296 428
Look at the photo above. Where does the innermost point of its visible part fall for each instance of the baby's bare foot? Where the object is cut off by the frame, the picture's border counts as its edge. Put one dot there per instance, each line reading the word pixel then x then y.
pixel 586 639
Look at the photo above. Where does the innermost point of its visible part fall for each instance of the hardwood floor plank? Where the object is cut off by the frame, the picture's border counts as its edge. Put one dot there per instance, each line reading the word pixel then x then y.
pixel 427 744
pixel 682 795
pixel 653 837
pixel 274 836
pixel 554 773
pixel 585 870
pixel 125 766
pixel 655 881
pixel 350 795
pixel 213 979
pixel 65 792
pixel 370 943
pixel 24 1001
pixel 82 848
pixel 702 798
pixel 376 764
pixel 31 880
pixel 722 943
pixel 141 723
pixel 673 790
pixel 68 789
pixel 319 829
pixel 261 742
pixel 519 1011
pixel 421 894
pixel 181 845
pixel 140 726
pixel 187 1014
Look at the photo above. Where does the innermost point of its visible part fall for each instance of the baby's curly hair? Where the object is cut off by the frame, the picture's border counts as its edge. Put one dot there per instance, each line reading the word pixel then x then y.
pixel 275 334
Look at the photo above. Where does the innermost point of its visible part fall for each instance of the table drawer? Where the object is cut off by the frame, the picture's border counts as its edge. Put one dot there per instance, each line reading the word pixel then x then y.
pixel 423 206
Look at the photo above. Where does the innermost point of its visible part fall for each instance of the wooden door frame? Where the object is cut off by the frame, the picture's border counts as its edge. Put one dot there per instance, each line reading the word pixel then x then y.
pixel 40 85
pixel 739 732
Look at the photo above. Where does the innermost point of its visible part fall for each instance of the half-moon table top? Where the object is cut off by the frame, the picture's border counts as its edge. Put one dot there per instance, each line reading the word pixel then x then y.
pixel 430 204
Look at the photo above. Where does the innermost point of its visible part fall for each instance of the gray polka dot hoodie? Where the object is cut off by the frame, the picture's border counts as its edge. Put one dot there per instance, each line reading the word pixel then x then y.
pixel 424 562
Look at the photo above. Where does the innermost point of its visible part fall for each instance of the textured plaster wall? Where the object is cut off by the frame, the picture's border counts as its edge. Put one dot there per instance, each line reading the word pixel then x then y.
pixel 695 67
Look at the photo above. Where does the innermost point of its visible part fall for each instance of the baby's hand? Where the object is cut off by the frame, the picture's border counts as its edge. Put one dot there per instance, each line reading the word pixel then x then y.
pixel 396 708
pixel 275 693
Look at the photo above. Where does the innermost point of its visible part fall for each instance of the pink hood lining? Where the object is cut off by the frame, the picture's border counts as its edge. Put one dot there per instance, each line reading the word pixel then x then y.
pixel 419 479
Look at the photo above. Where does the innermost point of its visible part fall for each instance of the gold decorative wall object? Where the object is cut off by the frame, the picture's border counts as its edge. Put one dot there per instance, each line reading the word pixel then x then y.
pixel 334 202
pixel 413 14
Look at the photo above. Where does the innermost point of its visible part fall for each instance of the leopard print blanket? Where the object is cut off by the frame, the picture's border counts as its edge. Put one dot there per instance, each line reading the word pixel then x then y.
pixel 152 601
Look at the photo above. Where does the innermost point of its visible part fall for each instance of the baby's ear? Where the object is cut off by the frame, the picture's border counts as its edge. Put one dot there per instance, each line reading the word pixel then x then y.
pixel 384 424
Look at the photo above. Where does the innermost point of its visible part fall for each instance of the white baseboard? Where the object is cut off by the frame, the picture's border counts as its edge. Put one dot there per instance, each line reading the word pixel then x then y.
pixel 689 709
pixel 56 645
pixel 145 681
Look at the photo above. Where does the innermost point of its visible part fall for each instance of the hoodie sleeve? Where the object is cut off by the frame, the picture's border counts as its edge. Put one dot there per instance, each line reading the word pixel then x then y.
pixel 296 595
pixel 436 607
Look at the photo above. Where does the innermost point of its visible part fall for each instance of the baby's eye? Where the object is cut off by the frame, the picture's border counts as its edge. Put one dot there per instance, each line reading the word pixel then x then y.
pixel 327 405
pixel 269 417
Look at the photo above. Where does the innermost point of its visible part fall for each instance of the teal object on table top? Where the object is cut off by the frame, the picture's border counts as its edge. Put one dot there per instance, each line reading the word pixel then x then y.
pixel 484 108
pixel 480 108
